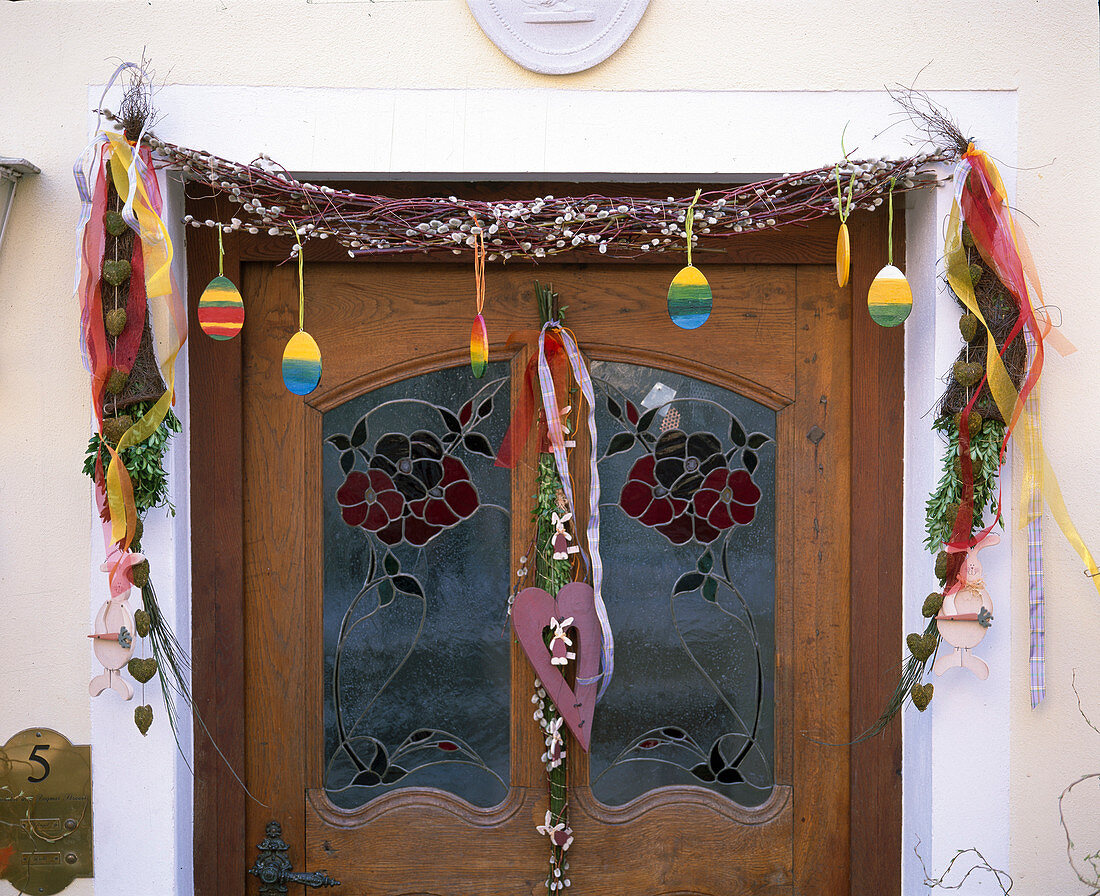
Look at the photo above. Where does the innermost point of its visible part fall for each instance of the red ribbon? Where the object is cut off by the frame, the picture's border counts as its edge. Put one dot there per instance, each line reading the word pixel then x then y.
pixel 530 397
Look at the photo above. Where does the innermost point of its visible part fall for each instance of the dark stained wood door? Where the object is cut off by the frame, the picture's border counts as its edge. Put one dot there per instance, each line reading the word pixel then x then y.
pixel 782 335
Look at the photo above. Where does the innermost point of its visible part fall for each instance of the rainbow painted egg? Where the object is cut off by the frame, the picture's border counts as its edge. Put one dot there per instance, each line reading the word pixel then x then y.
pixel 889 300
pixel 301 364
pixel 689 299
pixel 221 310
pixel 479 347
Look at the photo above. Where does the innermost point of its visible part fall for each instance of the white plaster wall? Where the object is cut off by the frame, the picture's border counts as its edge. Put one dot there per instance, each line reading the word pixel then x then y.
pixel 51 53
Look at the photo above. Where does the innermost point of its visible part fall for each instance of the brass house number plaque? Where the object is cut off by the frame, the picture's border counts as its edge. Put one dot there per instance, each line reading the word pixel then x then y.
pixel 45 811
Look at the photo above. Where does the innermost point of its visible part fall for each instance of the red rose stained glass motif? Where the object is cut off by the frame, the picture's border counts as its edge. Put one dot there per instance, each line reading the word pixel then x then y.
pixel 370 500
pixel 685 491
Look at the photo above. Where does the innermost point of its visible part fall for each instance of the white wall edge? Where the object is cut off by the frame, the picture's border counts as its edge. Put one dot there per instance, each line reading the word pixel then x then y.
pixel 951 801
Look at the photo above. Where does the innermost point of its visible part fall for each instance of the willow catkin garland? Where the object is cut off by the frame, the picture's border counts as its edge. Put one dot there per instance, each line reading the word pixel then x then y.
pixel 272 202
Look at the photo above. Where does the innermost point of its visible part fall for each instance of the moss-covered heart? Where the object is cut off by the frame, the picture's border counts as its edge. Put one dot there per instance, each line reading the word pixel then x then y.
pixel 141 623
pixel 922 646
pixel 976 271
pixel 941 566
pixel 142 670
pixel 968 326
pixel 116 224
pixel 922 696
pixel 139 574
pixel 115 321
pixel 116 272
pixel 143 718
pixel 931 607
pixel 968 373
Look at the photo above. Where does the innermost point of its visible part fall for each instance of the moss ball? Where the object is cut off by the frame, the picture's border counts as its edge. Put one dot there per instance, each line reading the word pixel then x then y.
pixel 115 321
pixel 115 427
pixel 974 422
pixel 116 382
pixel 976 271
pixel 967 237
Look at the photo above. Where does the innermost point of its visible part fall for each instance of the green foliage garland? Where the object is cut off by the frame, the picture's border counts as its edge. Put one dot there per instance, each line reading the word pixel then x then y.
pixel 145 462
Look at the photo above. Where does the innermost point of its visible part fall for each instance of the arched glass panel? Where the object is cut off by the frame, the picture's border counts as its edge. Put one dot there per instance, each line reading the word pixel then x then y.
pixel 687 478
pixel 416 564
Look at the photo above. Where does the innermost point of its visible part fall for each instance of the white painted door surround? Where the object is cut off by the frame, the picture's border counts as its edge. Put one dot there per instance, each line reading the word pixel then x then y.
pixel 632 135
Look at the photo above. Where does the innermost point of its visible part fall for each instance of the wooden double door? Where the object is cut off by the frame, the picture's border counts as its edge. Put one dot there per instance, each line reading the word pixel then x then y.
pixel 354 552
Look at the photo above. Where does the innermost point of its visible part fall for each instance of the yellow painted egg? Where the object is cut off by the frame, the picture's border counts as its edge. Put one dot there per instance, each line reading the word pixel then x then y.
pixel 889 300
pixel 689 298
pixel 301 364
pixel 843 255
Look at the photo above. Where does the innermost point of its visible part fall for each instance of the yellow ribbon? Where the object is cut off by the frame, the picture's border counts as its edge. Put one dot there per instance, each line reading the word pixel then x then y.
pixel 1038 471
pixel 156 246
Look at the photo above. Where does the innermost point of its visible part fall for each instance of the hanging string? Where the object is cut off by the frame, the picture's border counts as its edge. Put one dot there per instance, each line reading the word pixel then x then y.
pixel 301 283
pixel 844 205
pixel 689 219
pixel 479 269
pixel 221 254
pixel 890 225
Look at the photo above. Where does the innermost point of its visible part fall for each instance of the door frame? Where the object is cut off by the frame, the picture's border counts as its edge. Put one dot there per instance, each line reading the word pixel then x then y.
pixel 217 517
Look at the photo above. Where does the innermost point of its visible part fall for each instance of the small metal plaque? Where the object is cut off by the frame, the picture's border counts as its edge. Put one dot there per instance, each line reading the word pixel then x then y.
pixel 45 811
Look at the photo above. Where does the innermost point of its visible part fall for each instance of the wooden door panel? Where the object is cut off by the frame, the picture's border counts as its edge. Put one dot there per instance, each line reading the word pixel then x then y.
pixel 769 337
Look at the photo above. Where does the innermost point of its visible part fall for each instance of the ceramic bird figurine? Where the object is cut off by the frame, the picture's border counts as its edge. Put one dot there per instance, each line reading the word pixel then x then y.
pixel 966 614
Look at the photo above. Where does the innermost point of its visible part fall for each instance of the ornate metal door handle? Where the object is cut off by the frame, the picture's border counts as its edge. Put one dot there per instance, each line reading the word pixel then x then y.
pixel 275 871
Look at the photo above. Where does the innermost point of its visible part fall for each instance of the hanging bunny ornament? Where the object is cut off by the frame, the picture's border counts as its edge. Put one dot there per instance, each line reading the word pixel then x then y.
pixel 113 640
pixel 967 613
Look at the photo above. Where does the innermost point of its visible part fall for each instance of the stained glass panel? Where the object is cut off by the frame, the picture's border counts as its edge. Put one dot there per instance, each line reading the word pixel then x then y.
pixel 687 476
pixel 416 563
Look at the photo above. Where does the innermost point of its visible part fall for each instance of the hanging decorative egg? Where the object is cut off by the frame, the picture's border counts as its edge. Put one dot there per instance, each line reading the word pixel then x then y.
pixel 221 310
pixel 843 255
pixel 479 347
pixel 301 363
pixel 889 300
pixel 689 299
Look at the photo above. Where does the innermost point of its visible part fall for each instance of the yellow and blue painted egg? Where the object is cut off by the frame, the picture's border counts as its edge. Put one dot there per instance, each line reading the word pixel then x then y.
pixel 689 299
pixel 301 364
pixel 889 300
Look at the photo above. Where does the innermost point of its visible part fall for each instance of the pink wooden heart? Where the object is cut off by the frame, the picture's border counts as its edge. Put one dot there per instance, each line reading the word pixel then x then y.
pixel 531 614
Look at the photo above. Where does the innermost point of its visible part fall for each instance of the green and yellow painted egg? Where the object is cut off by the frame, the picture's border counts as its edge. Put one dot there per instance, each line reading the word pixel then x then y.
pixel 301 364
pixel 221 311
pixel 889 300
pixel 843 256
pixel 689 299
pixel 479 347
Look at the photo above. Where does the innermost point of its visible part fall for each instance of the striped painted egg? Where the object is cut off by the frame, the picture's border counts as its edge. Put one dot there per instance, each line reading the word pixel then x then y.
pixel 301 364
pixel 889 300
pixel 689 299
pixel 843 256
pixel 221 310
pixel 479 347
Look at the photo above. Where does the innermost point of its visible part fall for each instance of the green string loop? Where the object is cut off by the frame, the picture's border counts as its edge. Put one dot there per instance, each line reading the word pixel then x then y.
pixel 301 283
pixel 890 226
pixel 689 219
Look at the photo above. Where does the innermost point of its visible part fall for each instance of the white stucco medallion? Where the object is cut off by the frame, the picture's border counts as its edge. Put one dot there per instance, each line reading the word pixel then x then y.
pixel 556 37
